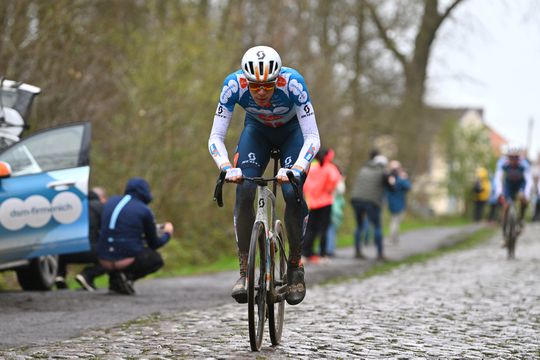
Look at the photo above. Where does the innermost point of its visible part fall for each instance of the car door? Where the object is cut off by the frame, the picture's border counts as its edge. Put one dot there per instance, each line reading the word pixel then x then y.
pixel 43 204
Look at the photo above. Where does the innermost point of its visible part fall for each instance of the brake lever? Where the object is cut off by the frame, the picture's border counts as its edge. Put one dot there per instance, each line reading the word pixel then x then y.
pixel 296 185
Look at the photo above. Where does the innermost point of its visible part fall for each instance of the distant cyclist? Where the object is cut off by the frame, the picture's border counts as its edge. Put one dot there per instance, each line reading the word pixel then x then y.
pixel 513 180
pixel 278 114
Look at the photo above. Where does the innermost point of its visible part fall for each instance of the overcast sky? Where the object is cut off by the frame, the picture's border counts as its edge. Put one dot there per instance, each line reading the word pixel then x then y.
pixel 488 56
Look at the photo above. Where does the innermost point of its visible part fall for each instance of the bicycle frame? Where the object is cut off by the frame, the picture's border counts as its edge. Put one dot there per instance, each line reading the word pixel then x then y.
pixel 266 211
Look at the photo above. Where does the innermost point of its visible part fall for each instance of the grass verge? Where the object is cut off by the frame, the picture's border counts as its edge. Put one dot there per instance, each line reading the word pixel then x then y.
pixel 175 266
pixel 471 241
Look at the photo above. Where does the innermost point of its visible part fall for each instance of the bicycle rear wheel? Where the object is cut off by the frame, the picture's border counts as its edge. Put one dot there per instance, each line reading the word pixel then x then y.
pixel 256 286
pixel 512 231
pixel 278 273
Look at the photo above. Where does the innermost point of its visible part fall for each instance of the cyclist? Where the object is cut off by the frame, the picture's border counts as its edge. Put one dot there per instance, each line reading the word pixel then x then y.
pixel 513 180
pixel 278 114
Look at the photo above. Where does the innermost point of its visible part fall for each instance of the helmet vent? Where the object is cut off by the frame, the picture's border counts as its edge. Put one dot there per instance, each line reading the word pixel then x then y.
pixel 272 66
pixel 251 70
pixel 261 67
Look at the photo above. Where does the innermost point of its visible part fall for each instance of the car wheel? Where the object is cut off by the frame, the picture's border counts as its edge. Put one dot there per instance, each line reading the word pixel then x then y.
pixel 39 274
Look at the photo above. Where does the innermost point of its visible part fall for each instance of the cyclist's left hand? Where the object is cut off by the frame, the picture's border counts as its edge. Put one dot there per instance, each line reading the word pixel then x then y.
pixel 282 174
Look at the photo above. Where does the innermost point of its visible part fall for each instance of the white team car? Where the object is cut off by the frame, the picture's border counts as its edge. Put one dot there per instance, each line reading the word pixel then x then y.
pixel 43 190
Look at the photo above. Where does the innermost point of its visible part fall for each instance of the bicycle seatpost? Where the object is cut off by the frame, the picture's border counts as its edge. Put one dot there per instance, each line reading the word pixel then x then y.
pixel 274 154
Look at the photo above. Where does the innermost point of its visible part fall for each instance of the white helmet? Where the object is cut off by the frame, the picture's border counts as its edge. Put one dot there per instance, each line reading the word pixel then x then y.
pixel 514 150
pixel 261 64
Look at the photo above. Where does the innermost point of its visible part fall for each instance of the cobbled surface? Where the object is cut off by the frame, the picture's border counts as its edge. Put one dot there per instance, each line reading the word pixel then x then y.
pixel 473 304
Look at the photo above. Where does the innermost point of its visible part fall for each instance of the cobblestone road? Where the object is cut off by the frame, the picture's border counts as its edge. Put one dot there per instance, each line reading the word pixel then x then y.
pixel 473 304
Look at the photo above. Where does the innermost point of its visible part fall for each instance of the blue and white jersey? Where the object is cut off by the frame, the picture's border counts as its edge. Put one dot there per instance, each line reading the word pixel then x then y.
pixel 513 179
pixel 290 100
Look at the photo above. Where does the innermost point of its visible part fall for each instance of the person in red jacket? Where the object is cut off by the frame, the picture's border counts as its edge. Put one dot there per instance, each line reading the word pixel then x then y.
pixel 319 188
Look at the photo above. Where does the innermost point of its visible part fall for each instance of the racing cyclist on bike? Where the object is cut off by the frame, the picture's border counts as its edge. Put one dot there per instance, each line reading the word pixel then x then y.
pixel 279 114
pixel 513 180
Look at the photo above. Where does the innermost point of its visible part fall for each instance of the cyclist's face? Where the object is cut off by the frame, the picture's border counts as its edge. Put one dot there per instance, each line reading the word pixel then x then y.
pixel 262 92
pixel 514 160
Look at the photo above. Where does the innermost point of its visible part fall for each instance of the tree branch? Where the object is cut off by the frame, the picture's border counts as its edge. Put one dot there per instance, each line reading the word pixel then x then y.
pixel 448 10
pixel 390 44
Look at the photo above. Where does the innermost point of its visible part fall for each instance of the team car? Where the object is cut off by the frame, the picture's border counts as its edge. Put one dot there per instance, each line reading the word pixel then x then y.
pixel 43 190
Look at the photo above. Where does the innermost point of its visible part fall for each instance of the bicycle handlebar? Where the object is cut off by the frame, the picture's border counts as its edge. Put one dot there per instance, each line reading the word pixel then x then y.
pixel 218 191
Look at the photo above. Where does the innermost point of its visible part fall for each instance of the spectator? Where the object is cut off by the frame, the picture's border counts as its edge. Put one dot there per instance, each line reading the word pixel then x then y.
pixel 536 214
pixel 481 193
pixel 122 250
pixel 336 217
pixel 366 198
pixel 320 184
pixel 362 233
pixel 493 202
pixel 96 198
pixel 397 198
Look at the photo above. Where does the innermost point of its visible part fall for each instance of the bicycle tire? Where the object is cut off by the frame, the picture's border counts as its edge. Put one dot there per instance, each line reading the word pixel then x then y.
pixel 256 290
pixel 276 311
pixel 512 232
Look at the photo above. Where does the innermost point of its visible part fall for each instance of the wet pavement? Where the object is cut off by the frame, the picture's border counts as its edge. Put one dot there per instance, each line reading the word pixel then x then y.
pixel 471 304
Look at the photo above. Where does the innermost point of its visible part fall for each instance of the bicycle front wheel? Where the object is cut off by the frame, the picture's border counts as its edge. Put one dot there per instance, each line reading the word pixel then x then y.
pixel 512 232
pixel 256 286
pixel 276 311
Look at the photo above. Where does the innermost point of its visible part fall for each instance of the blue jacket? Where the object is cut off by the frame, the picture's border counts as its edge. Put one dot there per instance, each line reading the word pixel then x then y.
pixel 128 223
pixel 397 197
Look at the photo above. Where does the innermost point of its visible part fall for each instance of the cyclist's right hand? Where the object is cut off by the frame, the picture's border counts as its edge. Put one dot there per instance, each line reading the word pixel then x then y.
pixel 233 175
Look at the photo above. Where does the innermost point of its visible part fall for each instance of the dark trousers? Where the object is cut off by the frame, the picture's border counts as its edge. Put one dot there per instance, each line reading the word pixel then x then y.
pixel 147 262
pixel 318 222
pixel 479 210
pixel 536 216
pixel 493 211
pixel 373 212
pixel 88 257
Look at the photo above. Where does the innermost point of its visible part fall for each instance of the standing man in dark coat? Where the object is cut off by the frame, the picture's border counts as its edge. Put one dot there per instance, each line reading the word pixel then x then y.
pixel 367 197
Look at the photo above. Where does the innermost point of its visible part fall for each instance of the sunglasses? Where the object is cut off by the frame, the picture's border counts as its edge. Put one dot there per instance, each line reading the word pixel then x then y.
pixel 267 86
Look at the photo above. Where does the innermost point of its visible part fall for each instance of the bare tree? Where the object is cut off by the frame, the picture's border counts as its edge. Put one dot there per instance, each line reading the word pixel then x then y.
pixel 414 67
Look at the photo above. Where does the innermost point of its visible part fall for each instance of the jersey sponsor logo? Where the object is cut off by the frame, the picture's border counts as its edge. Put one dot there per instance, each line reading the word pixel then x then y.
pixel 228 91
pixel 281 81
pixel 298 90
pixel 308 111
pixel 288 162
pixel 220 112
pixel 214 151
pixel 252 159
pixel 36 211
pixel 310 153
pixel 243 82
pixel 515 174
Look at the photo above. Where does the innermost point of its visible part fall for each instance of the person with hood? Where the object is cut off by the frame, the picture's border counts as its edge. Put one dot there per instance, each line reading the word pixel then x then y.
pixel 321 182
pixel 397 198
pixel 367 197
pixel 481 192
pixel 129 237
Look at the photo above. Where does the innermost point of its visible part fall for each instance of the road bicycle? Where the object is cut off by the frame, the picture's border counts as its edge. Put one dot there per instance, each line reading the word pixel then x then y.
pixel 267 259
pixel 511 229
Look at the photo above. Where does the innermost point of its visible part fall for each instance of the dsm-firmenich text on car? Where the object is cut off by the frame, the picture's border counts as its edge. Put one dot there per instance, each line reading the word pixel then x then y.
pixel 43 190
